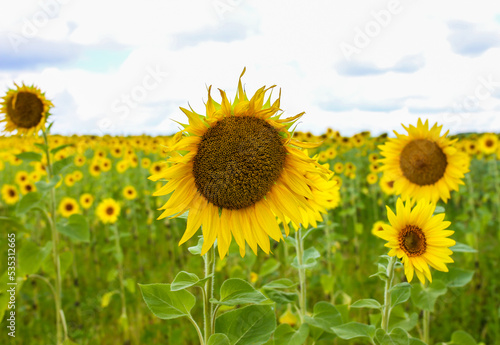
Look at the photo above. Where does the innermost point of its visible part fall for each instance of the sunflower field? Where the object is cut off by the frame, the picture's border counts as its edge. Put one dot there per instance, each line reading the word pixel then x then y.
pixel 241 229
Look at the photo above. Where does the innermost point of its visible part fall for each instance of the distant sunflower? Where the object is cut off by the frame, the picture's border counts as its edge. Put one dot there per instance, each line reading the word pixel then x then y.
pixel 241 168
pixel 387 184
pixel 418 238
pixel 423 163
pixel 129 193
pixel 108 211
pixel 371 178
pixel 27 187
pixel 488 143
pixel 68 206
pixel 86 200
pixel 378 226
pixel 26 109
pixel 10 194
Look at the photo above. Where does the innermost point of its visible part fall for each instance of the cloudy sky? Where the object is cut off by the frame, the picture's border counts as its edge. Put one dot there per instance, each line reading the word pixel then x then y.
pixel 125 67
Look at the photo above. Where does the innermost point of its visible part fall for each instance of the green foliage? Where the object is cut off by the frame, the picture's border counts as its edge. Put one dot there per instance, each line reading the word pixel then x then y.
pixel 76 228
pixel 167 304
pixel 236 291
pixel 286 335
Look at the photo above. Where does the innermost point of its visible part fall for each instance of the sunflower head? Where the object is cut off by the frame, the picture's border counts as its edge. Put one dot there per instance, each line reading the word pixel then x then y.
pixel 25 109
pixel 418 238
pixel 108 211
pixel 423 164
pixel 239 170
pixel 68 206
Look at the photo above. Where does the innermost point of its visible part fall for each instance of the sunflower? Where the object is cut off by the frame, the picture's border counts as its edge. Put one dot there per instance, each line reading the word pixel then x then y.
pixel 86 200
pixel 10 194
pixel 338 167
pixel 21 177
pixel 387 184
pixel 69 180
pixel 27 187
pixel 371 178
pixel 423 163
pixel 145 162
pixel 129 193
pixel 79 160
pixel 488 143
pixel 26 109
pixel 418 238
pixel 122 166
pixel 108 211
pixel 68 206
pixel 240 169
pixel 95 169
pixel 378 226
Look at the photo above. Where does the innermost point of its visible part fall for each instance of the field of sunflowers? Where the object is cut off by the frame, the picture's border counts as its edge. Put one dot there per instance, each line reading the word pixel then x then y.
pixel 240 229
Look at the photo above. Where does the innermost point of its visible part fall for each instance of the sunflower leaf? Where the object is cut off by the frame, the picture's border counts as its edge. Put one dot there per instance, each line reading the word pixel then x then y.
pixel 251 325
pixel 59 148
pixel 354 330
pixel 325 315
pixel 167 304
pixel 29 157
pixel 76 228
pixel 44 186
pixel 59 166
pixel 237 291
pixel 286 335
pixel 28 202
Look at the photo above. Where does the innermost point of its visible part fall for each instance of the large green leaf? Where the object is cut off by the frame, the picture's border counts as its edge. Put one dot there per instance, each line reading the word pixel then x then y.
pixel 269 266
pixel 251 325
pixel 400 293
pixel 65 260
pixel 218 339
pixel 31 256
pixel 324 316
pixel 354 330
pixel 61 165
pixel 286 335
pixel 456 277
pixel 44 186
pixel 27 202
pixel 29 157
pixel 462 338
pixel 167 304
pixel 367 303
pixel 184 279
pixel 425 297
pixel 282 283
pixel 237 291
pixel 397 336
pixel 76 227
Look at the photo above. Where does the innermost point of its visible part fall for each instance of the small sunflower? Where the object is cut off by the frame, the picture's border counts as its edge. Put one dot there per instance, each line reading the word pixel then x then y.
pixel 423 163
pixel 108 211
pixel 86 200
pixel 387 184
pixel 488 143
pixel 25 109
pixel 338 167
pixel 378 226
pixel 21 177
pixel 371 178
pixel 10 194
pixel 129 193
pixel 418 238
pixel 241 168
pixel 79 160
pixel 27 187
pixel 68 206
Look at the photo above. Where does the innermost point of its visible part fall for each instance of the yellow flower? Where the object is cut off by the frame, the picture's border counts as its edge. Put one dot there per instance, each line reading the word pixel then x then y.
pixel 423 163
pixel 10 194
pixel 77 175
pixel 289 317
pixel 35 176
pixel 145 162
pixel 69 180
pixel 105 164
pixel 68 206
pixel 387 184
pixel 240 170
pixel 21 177
pixel 378 226
pixel 253 277
pixel 25 109
pixel 418 238
pixel 488 143
pixel 338 167
pixel 108 211
pixel 122 166
pixel 80 160
pixel 86 200
pixel 95 169
pixel 27 187
pixel 371 178
pixel 129 193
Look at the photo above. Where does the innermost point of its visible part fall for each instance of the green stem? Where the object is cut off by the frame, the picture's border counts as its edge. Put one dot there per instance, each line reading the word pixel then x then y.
pixel 198 330
pixel 427 323
pixel 302 273
pixel 208 310
pixel 119 254
pixel 55 243
pixel 386 311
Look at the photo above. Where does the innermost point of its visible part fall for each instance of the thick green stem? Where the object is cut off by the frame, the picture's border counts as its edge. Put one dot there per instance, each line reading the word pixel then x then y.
pixel 302 273
pixel 386 311
pixel 119 256
pixel 55 244
pixel 427 323
pixel 208 308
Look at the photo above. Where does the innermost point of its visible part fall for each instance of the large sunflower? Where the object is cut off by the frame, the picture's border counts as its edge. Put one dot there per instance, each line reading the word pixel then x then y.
pixel 26 109
pixel 423 164
pixel 418 238
pixel 237 169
